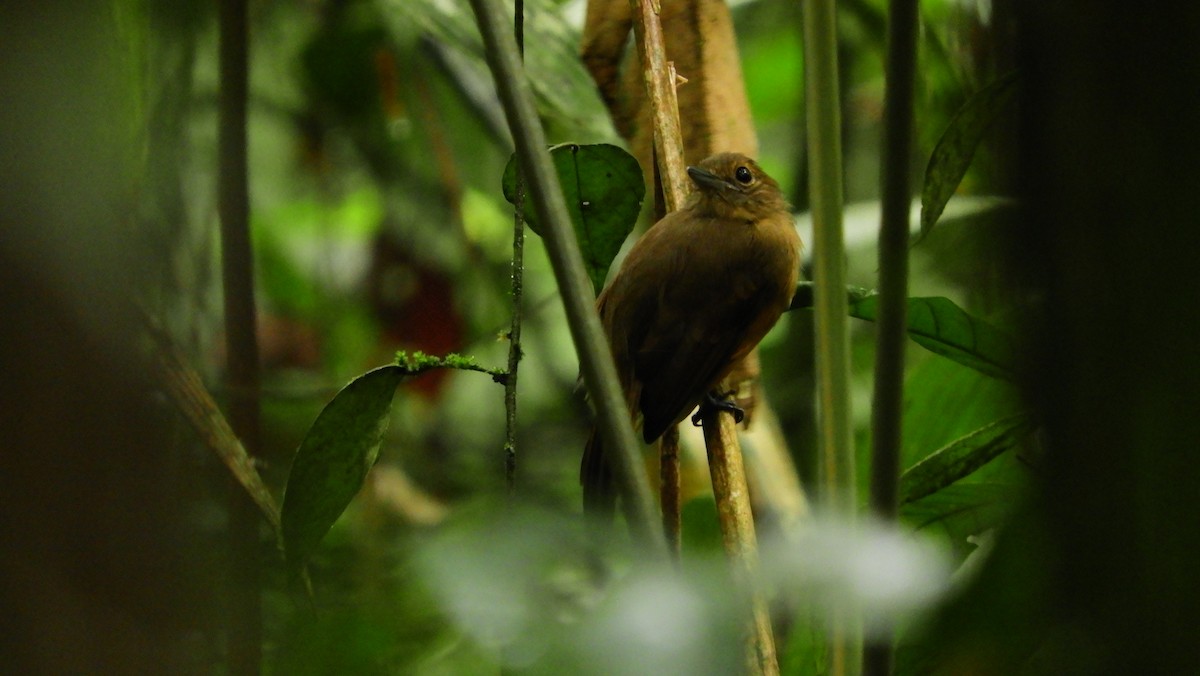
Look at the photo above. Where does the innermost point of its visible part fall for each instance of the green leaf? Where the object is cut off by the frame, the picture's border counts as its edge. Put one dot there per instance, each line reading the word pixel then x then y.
pixel 806 647
pixel 963 456
pixel 954 151
pixel 942 327
pixel 334 458
pixel 603 188
pixel 944 401
pixel 700 527
pixel 959 511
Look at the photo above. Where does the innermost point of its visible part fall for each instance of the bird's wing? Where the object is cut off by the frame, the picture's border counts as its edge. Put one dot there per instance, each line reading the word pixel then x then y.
pixel 683 358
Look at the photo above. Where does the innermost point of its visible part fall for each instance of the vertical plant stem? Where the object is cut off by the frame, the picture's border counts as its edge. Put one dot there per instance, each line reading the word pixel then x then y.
pixel 726 465
pixel 670 191
pixel 186 390
pixel 836 436
pixel 518 273
pixel 670 500
pixel 659 76
pixel 599 372
pixel 890 337
pixel 241 340
pixel 732 495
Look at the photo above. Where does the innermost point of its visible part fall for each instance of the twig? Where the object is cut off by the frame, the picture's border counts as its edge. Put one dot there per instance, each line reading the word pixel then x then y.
pixel 518 271
pixel 737 532
pixel 241 339
pixel 671 185
pixel 670 500
pixel 836 440
pixel 187 392
pixel 892 321
pixel 599 373
pixel 416 363
pixel 720 431
pixel 660 78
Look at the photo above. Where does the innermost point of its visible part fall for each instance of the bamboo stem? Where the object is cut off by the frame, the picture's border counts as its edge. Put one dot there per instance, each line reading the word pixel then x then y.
pixel 836 435
pixel 241 339
pixel 891 324
pixel 599 373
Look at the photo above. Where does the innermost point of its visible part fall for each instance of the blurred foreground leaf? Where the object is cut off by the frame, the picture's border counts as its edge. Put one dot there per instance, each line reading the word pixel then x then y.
pixel 962 457
pixel 954 151
pixel 603 188
pixel 334 458
pixel 940 326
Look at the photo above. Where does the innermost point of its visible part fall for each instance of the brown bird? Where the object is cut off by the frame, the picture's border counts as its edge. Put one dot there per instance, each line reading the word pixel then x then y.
pixel 695 294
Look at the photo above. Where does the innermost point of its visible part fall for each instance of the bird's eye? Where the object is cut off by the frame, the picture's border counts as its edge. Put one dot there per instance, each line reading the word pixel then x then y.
pixel 743 175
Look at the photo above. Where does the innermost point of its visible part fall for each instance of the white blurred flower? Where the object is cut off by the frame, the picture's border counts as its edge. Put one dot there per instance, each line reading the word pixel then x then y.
pixel 881 572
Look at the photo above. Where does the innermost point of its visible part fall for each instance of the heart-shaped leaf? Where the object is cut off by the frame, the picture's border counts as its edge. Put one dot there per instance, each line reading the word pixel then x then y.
pixel 603 187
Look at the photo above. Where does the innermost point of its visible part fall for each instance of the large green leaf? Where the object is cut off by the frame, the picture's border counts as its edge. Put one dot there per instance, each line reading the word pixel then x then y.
pixel 954 151
pixel 961 511
pixel 942 327
pixel 334 458
pixel 938 325
pixel 566 95
pixel 963 456
pixel 603 188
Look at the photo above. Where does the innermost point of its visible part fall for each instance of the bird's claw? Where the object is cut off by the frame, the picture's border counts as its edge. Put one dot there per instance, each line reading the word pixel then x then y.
pixel 719 402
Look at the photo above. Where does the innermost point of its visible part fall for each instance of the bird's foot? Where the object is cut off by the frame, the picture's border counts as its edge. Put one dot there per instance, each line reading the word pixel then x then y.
pixel 720 402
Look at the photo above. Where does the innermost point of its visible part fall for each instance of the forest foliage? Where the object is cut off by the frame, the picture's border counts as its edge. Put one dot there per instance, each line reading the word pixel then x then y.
pixel 409 517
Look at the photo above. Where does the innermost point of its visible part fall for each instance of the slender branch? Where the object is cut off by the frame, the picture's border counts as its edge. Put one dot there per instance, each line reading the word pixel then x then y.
pixel 732 495
pixel 599 372
pixel 241 339
pixel 187 392
pixel 892 321
pixel 836 440
pixel 730 491
pixel 659 76
pixel 518 272
pixel 669 499
pixel 416 363
pixel 671 189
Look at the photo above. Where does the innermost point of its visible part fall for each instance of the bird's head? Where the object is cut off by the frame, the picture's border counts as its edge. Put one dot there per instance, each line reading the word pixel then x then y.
pixel 733 186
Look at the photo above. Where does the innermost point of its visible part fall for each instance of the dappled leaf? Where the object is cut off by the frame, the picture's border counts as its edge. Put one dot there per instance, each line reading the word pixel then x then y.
pixel 954 151
pixel 942 327
pixel 962 457
pixel 603 188
pixel 334 458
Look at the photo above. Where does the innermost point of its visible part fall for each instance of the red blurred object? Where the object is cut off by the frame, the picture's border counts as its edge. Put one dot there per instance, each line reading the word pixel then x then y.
pixel 414 302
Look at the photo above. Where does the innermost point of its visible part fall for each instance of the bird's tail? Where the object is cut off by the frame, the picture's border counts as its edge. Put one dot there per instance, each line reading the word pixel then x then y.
pixel 599 483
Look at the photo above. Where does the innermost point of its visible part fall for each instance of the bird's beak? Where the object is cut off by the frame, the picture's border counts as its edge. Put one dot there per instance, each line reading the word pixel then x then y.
pixel 705 179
